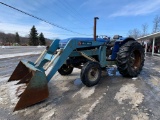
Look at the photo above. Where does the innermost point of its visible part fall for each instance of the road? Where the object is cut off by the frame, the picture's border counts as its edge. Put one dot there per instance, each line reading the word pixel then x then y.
pixel 19 49
pixel 114 98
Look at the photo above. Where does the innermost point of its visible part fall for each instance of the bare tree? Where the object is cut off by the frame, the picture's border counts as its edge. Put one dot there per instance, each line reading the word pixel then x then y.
pixel 135 33
pixel 156 24
pixel 144 29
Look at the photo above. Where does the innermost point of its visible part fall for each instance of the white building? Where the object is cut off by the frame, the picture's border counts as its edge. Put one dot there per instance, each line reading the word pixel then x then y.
pixel 151 42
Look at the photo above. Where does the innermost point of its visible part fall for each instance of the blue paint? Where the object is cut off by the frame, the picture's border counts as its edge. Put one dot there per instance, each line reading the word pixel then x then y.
pixel 119 42
pixel 99 41
pixel 115 50
pixel 68 47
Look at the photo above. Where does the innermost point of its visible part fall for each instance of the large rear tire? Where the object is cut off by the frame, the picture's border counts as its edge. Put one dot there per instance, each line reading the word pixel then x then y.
pixel 130 59
pixel 91 73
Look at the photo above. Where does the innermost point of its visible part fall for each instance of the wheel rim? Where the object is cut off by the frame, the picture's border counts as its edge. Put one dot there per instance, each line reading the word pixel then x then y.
pixel 135 59
pixel 93 74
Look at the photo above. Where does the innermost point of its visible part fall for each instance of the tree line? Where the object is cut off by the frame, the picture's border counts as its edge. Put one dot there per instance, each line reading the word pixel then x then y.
pixel 135 33
pixel 34 38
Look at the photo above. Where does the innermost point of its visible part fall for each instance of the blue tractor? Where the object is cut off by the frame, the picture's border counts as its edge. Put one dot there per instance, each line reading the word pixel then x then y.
pixel 91 55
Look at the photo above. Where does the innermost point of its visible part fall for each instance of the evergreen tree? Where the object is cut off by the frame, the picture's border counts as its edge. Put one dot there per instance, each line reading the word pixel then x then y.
pixel 42 40
pixel 17 39
pixel 33 37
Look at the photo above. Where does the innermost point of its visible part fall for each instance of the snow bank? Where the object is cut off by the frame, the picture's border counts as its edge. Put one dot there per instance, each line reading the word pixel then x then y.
pixel 18 54
pixel 41 46
pixel 6 47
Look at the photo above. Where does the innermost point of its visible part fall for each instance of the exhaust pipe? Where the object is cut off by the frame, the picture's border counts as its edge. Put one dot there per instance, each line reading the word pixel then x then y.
pixel 95 28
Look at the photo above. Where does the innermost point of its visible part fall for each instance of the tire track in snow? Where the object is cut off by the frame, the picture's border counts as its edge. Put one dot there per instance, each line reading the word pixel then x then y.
pixel 84 111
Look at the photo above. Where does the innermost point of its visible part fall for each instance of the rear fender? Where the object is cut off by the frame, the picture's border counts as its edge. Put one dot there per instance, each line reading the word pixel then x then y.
pixel 126 40
pixel 119 42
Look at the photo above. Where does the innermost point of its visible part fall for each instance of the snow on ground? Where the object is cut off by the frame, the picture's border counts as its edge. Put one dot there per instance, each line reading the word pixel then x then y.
pixel 47 115
pixel 41 46
pixel 19 54
pixel 85 92
pixel 140 116
pixel 15 91
pixel 129 91
pixel 3 79
pixel 10 88
pixel 5 47
pixel 90 109
pixel 3 95
pixel 84 111
pixel 9 47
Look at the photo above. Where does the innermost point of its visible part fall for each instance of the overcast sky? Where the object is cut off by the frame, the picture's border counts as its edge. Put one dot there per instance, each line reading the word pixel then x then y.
pixel 116 16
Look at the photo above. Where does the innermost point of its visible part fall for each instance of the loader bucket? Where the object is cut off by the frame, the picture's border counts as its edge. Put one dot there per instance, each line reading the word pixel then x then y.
pixel 36 89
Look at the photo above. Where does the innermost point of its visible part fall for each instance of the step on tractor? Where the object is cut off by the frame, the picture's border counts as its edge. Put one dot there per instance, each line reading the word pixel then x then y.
pixel 91 55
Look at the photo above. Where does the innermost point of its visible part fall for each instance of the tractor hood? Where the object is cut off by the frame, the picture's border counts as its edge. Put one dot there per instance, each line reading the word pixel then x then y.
pixel 63 42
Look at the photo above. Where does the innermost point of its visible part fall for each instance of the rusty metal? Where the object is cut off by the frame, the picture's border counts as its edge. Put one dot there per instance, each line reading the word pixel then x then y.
pixel 31 97
pixel 87 57
pixel 36 91
pixel 20 71
pixel 26 78
pixel 136 59
pixel 35 82
pixel 95 28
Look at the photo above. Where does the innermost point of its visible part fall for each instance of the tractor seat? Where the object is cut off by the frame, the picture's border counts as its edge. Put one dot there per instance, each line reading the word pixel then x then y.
pixel 117 36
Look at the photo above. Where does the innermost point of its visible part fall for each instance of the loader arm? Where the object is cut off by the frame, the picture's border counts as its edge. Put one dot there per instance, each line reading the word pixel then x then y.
pixel 50 56
pixel 60 59
pixel 66 48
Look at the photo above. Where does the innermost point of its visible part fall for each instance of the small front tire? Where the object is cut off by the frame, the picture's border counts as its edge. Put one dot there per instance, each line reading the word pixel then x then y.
pixel 91 74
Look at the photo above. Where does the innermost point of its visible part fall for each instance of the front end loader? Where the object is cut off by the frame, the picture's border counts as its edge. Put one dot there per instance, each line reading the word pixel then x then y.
pixel 91 55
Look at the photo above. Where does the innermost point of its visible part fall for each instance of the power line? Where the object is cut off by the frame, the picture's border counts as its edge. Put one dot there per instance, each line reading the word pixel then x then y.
pixel 75 11
pixel 59 15
pixel 62 6
pixel 72 12
pixel 58 26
